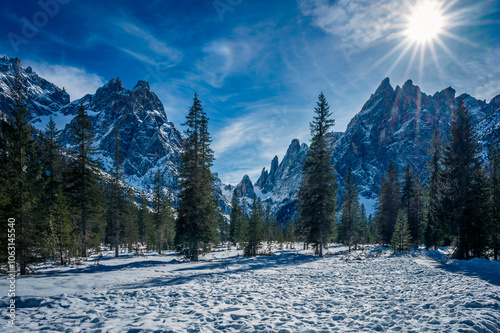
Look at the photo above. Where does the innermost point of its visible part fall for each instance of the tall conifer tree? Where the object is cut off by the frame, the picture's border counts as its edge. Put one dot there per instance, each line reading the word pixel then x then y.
pixel 84 178
pixel 465 195
pixel 349 221
pixel 388 204
pixel 21 158
pixel 434 229
pixel 196 225
pixel 317 195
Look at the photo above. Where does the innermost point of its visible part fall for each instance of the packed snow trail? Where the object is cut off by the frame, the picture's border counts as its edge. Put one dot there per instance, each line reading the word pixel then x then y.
pixel 286 292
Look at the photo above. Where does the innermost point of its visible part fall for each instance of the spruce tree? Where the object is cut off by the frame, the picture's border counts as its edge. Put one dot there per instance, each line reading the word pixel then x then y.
pixel 196 225
pixel 52 190
pixel 434 229
pixel 412 203
pixel 388 204
pixel 494 202
pixel 143 217
pixel 317 195
pixel 236 219
pixel 161 209
pixel 20 168
pixel 349 228
pixel 117 191
pixel 401 237
pixel 62 226
pixel 253 234
pixel 364 227
pixel 464 194
pixel 84 179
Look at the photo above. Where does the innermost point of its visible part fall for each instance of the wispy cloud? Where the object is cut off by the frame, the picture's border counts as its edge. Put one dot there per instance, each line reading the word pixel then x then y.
pixel 358 23
pixel 77 81
pixel 146 46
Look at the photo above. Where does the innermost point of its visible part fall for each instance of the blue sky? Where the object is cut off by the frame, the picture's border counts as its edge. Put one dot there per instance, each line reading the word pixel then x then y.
pixel 258 66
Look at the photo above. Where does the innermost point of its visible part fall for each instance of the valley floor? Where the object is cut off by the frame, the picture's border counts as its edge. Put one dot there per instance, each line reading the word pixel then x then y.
pixel 290 291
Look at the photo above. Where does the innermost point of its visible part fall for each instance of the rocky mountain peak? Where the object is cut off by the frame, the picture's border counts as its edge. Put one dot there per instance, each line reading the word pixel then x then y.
pixel 245 188
pixel 384 85
pixel 142 85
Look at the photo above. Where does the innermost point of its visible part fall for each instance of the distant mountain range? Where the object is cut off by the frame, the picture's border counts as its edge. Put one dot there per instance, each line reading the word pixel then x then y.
pixel 395 124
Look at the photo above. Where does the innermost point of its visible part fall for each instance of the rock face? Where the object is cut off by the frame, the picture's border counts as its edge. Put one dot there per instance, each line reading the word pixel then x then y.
pixel 45 97
pixel 245 188
pixel 149 141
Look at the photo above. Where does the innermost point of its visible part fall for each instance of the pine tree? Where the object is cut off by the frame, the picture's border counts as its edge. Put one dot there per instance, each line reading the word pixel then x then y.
pixel 161 209
pixel 350 212
pixel 317 195
pixel 21 167
pixel 270 228
pixel 253 233
pixel 412 203
pixel 236 219
pixel 196 225
pixel 434 226
pixel 494 156
pixel 387 204
pixel 52 175
pixel 84 179
pixel 143 217
pixel 364 227
pixel 401 237
pixel 62 227
pixel 117 191
pixel 131 231
pixel 464 194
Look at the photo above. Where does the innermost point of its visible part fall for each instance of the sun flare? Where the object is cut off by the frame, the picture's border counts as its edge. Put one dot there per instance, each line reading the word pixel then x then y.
pixel 425 23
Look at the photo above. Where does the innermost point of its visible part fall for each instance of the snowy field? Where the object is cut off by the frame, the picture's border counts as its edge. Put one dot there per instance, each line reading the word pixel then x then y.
pixel 287 292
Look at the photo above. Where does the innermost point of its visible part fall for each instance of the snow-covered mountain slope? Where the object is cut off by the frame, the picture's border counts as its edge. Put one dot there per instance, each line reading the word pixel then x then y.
pixel 395 124
pixel 150 142
pixel 45 98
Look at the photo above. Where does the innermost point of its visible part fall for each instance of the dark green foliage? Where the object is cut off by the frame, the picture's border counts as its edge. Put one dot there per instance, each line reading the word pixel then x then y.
pixel 401 237
pixel 412 203
pixel 21 172
pixel 253 235
pixel 388 204
pixel 434 229
pixel 196 225
pixel 162 212
pixel 350 219
pixel 117 202
pixel 85 189
pixel 464 188
pixel 365 227
pixel 317 195
pixel 237 220
pixel 494 200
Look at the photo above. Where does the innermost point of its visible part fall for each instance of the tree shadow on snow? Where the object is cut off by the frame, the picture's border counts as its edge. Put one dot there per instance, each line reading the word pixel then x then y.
pixel 245 264
pixel 485 275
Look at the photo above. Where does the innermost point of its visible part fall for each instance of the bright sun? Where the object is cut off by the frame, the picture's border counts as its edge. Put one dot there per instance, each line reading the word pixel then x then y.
pixel 425 23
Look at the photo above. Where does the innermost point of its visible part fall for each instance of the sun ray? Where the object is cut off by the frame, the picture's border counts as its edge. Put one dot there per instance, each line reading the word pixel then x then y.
pixel 421 64
pixel 396 62
pixel 459 39
pixel 410 63
pixel 435 59
pixel 386 56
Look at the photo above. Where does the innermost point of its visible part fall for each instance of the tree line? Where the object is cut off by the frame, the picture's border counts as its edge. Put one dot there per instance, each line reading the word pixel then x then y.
pixel 457 205
pixel 65 206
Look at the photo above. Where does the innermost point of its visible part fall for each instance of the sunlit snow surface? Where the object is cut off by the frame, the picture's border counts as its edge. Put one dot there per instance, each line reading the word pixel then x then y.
pixel 287 292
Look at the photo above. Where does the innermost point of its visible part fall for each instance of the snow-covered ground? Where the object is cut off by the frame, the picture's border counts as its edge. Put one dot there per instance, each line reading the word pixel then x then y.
pixel 290 291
